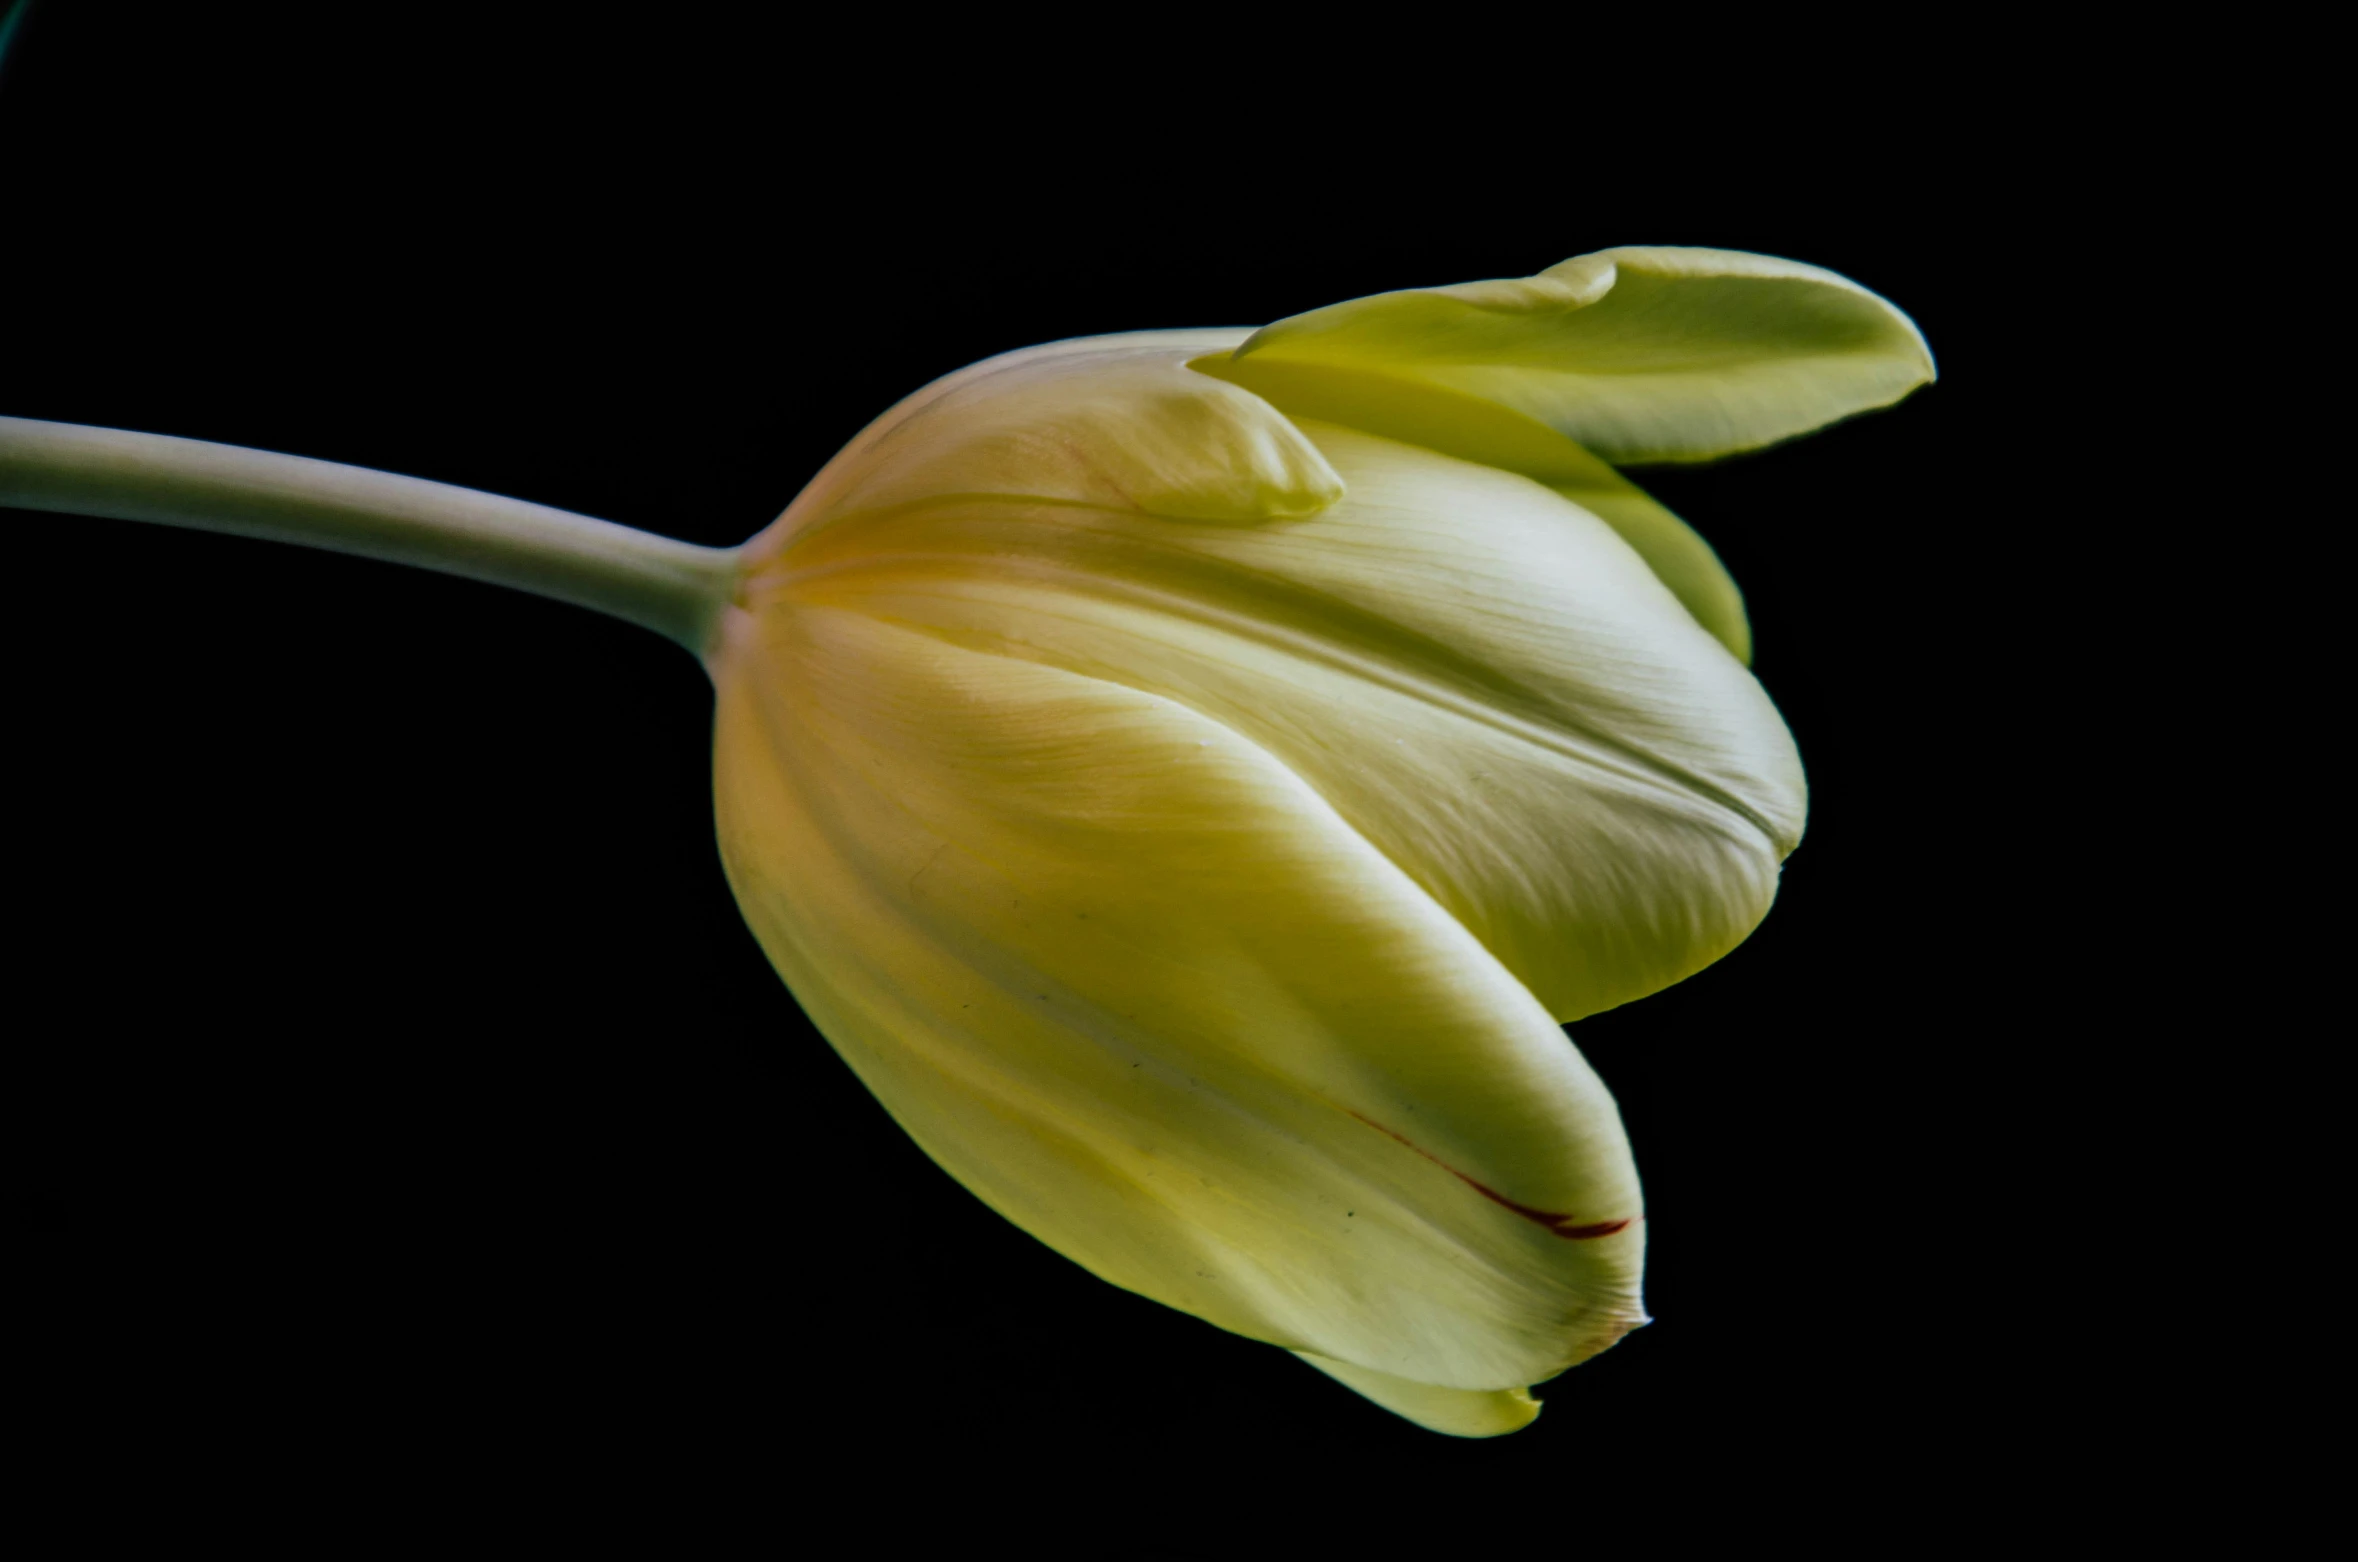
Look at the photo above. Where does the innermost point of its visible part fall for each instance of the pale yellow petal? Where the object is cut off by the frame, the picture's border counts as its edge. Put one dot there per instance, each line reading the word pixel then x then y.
pixel 1103 421
pixel 1131 981
pixel 1491 434
pixel 1640 354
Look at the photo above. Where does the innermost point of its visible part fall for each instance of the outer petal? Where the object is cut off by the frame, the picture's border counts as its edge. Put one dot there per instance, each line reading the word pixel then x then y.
pixel 1490 434
pixel 1659 354
pixel 1481 678
pixel 1132 982
pixel 1102 421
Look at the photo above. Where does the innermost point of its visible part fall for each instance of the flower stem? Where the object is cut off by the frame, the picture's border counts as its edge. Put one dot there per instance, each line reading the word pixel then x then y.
pixel 675 588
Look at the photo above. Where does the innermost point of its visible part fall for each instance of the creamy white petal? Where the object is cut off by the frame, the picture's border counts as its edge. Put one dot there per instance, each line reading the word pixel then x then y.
pixel 1130 980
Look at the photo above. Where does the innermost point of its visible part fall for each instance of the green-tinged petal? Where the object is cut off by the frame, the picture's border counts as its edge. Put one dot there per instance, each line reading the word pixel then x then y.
pixel 1130 980
pixel 1459 1412
pixel 1482 679
pixel 1644 354
pixel 1675 551
pixel 1493 435
pixel 1077 423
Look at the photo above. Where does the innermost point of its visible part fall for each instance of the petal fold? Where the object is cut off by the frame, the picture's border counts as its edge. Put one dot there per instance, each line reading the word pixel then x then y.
pixel 1102 422
pixel 1490 434
pixel 1640 354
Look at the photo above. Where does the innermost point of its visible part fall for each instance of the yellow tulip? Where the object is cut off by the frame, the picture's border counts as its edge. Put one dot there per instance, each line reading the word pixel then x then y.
pixel 1191 777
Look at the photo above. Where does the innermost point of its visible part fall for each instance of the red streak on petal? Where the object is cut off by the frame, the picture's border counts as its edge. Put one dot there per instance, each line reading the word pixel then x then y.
pixel 1561 1225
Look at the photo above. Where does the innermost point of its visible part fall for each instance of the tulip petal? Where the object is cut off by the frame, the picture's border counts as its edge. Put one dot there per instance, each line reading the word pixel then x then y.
pixel 1489 434
pixel 1640 354
pixel 1135 984
pixel 1481 678
pixel 1101 421
pixel 1459 1412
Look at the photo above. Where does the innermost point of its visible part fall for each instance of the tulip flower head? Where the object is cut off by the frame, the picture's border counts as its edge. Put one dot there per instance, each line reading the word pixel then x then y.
pixel 1193 777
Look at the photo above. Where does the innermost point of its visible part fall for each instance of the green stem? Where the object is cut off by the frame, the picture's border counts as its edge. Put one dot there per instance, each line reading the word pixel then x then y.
pixel 674 588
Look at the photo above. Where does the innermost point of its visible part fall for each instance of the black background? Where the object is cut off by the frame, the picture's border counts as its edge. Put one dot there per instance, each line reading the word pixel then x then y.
pixel 421 1125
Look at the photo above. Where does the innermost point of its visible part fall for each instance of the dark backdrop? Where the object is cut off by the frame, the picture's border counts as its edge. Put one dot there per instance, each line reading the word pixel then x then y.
pixel 418 1117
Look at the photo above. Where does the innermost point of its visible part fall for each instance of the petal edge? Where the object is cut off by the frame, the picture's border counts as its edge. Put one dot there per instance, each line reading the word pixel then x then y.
pixel 1458 1412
